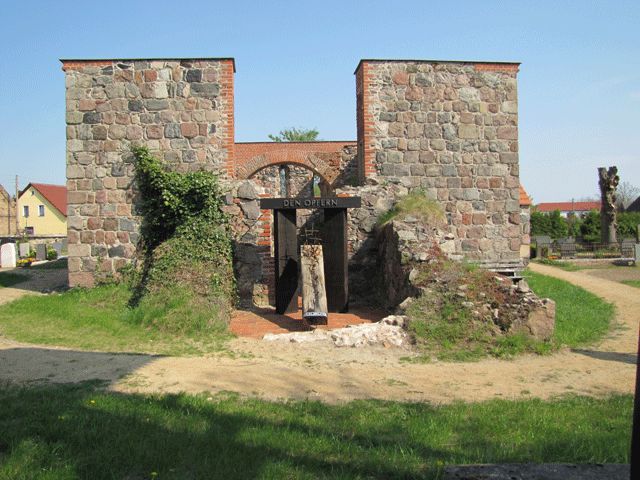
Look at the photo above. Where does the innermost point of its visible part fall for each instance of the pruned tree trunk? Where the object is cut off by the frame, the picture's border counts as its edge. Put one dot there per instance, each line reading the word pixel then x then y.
pixel 314 292
pixel 608 182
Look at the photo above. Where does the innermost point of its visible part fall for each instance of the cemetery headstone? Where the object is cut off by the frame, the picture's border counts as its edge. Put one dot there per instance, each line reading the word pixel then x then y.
pixel 57 246
pixel 543 245
pixel 41 251
pixel 64 244
pixel 637 253
pixel 25 248
pixel 627 248
pixel 567 247
pixel 8 255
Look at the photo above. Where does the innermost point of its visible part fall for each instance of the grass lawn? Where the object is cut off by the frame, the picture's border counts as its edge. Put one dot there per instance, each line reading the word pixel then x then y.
pixel 80 431
pixel 564 265
pixel 95 319
pixel 581 317
pixel 632 283
pixel 8 279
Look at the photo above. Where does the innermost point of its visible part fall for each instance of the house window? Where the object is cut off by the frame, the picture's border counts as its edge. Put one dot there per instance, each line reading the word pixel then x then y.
pixel 41 210
pixel 25 211
pixel 29 231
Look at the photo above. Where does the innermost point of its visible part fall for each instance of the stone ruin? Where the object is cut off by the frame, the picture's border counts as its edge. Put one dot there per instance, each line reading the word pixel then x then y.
pixel 447 127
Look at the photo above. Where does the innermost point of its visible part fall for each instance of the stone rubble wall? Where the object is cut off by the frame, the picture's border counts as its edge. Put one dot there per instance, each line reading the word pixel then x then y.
pixel 450 128
pixel 182 110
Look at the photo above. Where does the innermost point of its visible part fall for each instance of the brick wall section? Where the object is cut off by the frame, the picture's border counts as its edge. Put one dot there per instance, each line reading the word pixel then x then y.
pixel 181 109
pixel 365 123
pixel 227 99
pixel 330 160
pixel 450 128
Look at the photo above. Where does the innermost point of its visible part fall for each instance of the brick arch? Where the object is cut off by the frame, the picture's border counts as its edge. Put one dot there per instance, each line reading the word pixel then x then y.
pixel 309 160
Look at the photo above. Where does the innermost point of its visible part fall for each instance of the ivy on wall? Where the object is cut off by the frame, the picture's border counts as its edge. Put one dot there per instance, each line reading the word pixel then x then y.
pixel 186 245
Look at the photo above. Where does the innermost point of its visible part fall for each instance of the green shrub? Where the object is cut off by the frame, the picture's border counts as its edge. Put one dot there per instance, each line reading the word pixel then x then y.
pixel 186 283
pixel 415 204
pixel 51 253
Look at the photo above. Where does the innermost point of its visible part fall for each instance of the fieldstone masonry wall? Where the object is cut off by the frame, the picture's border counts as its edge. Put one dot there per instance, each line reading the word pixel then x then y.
pixel 450 128
pixel 181 109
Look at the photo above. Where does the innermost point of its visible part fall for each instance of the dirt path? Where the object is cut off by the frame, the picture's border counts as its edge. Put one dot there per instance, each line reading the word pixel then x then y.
pixel 276 371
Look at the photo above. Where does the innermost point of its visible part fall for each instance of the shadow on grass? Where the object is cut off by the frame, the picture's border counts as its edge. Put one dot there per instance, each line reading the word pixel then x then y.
pixel 79 431
pixel 33 365
pixel 629 358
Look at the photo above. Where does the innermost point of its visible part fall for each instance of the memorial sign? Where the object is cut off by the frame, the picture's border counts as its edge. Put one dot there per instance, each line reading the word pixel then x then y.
pixel 334 245
pixel 314 202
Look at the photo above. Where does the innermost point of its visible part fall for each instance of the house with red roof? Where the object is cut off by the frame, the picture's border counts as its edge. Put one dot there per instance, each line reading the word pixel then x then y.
pixel 42 210
pixel 565 208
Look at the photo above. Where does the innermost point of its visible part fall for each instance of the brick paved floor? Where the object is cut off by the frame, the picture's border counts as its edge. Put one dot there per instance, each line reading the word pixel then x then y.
pixel 257 323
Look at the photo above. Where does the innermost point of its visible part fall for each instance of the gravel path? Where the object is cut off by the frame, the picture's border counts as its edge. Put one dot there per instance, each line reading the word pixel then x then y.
pixel 276 371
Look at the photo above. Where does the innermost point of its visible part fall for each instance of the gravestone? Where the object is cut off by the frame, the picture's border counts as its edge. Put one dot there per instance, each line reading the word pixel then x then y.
pixel 65 243
pixel 25 248
pixel 637 253
pixel 41 251
pixel 8 255
pixel 567 247
pixel 543 245
pixel 627 248
pixel 57 246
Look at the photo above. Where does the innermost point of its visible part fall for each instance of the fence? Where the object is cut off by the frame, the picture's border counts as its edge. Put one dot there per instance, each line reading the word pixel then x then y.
pixel 566 248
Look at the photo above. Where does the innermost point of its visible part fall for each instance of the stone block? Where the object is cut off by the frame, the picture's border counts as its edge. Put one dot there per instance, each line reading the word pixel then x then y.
pixel 507 132
pixel 205 90
pixel 541 321
pixel 79 250
pixel 172 130
pixel 467 131
pixel 81 279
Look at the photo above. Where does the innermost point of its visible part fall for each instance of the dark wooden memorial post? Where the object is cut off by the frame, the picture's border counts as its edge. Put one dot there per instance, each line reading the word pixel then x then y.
pixel 286 253
pixel 335 259
pixel 335 247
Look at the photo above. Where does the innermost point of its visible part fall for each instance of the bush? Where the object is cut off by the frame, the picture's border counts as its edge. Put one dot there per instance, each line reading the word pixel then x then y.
pixel 51 253
pixel 186 283
pixel 415 204
pixel 551 224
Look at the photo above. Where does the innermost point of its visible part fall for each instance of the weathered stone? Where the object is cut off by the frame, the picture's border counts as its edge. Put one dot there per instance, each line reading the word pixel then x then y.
pixel 246 191
pixel 172 130
pixel 193 75
pixel 206 90
pixel 540 323
pixel 91 118
pixel 250 209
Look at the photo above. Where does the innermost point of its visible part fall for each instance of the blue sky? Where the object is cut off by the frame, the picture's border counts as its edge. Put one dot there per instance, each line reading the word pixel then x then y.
pixel 579 83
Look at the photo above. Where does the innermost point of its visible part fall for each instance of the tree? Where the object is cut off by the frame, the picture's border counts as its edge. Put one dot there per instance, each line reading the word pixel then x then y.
pixel 551 224
pixel 590 227
pixel 295 135
pixel 557 225
pixel 625 194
